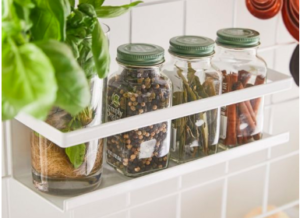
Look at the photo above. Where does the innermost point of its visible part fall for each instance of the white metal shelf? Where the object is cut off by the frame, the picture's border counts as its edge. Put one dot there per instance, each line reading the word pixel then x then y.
pixel 114 184
pixel 277 82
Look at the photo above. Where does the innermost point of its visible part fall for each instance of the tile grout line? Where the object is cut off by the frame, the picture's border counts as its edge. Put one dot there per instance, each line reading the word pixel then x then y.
pixel 8 197
pixel 278 209
pixel 178 209
pixel 184 16
pixel 266 185
pixel 71 214
pixel 4 150
pixel 275 46
pixel 234 14
pixel 8 137
pixel 275 50
pixel 128 214
pixel 130 25
pixel 156 3
pixel 225 191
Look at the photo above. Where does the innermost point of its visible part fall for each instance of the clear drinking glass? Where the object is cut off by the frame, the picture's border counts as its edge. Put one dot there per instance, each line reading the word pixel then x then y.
pixel 76 169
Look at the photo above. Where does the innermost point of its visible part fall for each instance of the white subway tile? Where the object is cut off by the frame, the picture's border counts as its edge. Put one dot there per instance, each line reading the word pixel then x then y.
pixel 102 207
pixel 165 208
pixel 203 175
pixel 282 64
pixel 266 28
pixel 156 24
pixel 248 160
pixel 268 57
pixel 24 203
pixel 286 119
pixel 5 203
pixel 152 192
pixel 283 34
pixel 245 192
pixel 204 17
pixel 123 214
pixel 203 201
pixel 284 181
pixel 267 115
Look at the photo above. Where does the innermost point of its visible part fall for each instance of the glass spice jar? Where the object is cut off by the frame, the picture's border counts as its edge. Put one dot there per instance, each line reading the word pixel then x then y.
pixel 193 78
pixel 76 169
pixel 136 88
pixel 241 68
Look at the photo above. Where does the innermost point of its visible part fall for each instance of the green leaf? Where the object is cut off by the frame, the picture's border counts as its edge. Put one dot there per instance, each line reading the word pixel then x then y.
pixel 5 8
pixel 49 19
pixel 73 46
pixel 72 3
pixel 12 25
pixel 76 154
pixel 8 112
pixel 100 50
pixel 88 9
pixel 114 11
pixel 25 3
pixel 23 12
pixel 28 80
pixel 73 93
pixel 95 3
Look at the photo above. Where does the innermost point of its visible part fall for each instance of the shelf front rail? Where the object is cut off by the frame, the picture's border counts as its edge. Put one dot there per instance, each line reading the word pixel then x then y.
pixel 277 82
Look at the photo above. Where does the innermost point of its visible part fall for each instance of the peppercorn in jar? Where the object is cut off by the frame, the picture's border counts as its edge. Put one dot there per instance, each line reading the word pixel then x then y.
pixel 193 78
pixel 241 68
pixel 136 88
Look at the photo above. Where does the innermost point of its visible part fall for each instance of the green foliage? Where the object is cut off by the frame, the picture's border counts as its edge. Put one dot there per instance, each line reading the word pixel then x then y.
pixel 76 154
pixel 73 90
pixel 87 40
pixel 38 71
pixel 28 80
pixel 114 11
pixel 49 19
pixel 100 51
pixel 95 3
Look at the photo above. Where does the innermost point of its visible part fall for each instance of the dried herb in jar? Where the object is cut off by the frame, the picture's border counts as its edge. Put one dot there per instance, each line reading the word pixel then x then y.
pixel 195 133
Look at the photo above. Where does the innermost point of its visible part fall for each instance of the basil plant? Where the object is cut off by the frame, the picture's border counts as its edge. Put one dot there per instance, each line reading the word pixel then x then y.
pixel 44 61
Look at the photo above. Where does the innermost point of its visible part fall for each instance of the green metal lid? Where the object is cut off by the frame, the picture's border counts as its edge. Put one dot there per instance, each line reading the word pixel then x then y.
pixel 238 37
pixel 140 54
pixel 191 46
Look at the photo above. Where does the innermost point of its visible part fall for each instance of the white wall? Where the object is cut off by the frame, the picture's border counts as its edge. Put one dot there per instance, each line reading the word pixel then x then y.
pixel 156 21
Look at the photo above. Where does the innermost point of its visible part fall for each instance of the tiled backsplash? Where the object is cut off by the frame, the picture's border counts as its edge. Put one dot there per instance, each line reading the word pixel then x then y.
pixel 156 21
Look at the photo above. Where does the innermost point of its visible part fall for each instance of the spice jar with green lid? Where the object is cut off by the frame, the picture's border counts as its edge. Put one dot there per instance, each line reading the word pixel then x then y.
pixel 241 67
pixel 193 78
pixel 136 88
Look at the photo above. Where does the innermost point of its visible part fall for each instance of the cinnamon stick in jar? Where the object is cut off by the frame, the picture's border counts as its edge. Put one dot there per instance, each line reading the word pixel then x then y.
pixel 231 112
pixel 239 86
pixel 231 125
pixel 244 77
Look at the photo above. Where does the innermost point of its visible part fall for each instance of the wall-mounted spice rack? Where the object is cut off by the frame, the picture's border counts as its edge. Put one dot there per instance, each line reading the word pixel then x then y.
pixel 277 82
pixel 113 183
